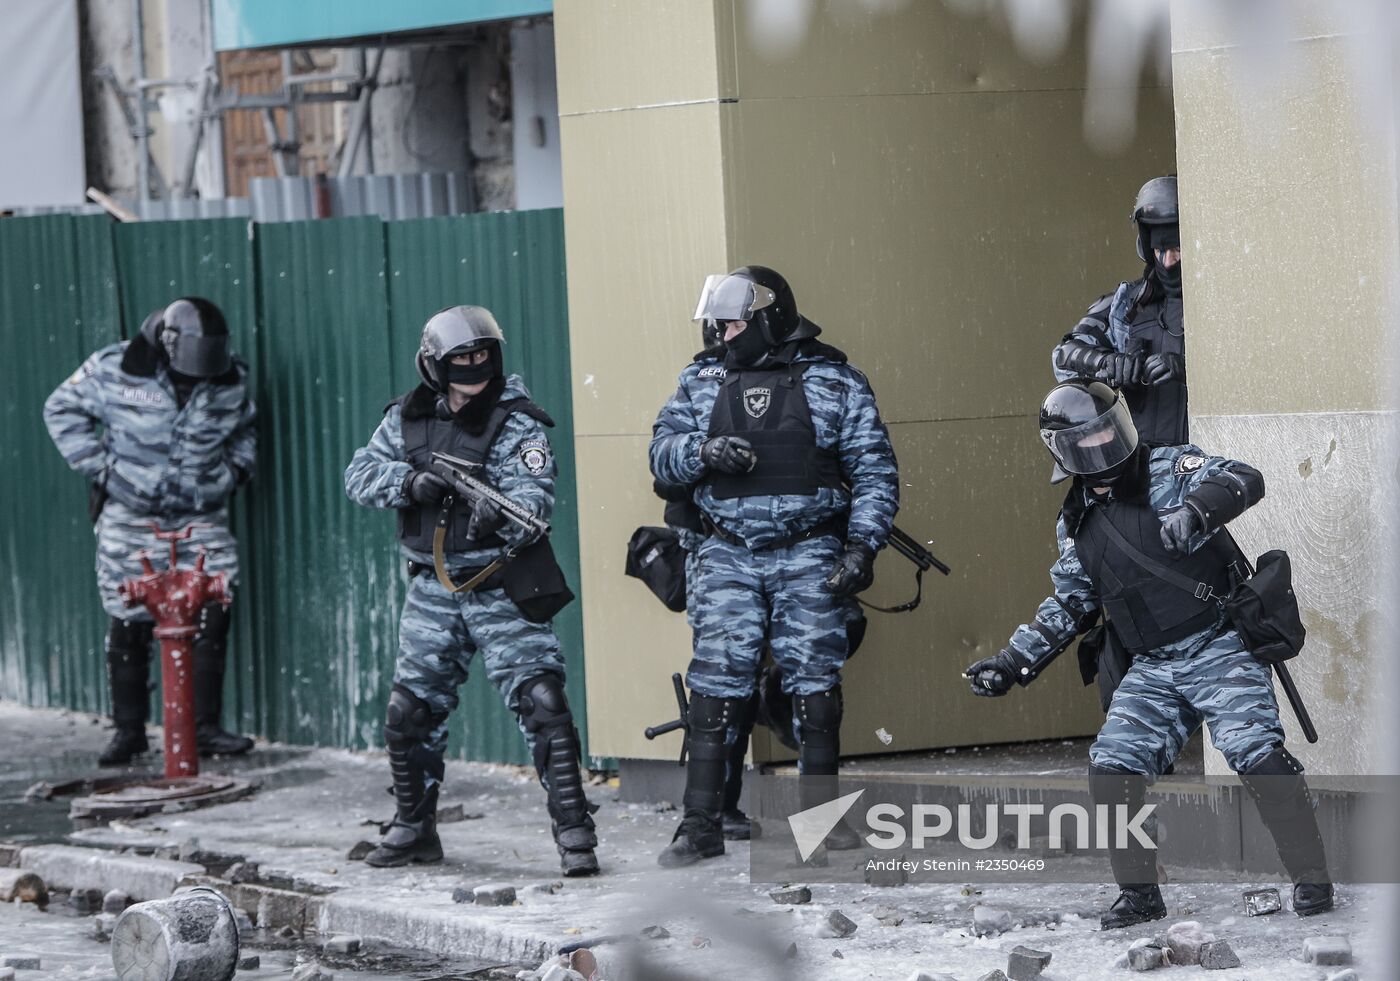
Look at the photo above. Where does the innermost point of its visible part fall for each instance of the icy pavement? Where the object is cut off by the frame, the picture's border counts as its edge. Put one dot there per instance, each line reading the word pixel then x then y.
pixel 316 804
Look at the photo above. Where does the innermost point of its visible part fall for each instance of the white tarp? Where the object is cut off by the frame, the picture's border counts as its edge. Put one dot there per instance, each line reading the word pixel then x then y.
pixel 41 104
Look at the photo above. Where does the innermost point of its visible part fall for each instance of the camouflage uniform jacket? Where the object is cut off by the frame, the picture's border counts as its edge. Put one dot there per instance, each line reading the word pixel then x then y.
pixel 1173 472
pixel 520 465
pixel 117 421
pixel 847 421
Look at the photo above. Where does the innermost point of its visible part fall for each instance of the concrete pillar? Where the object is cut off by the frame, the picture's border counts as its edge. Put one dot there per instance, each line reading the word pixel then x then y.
pixel 1289 229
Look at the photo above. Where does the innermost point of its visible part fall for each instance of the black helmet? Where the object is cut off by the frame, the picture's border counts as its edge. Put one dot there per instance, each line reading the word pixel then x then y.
pixel 1156 207
pixel 1088 429
pixel 151 327
pixel 758 295
pixel 194 336
pixel 453 331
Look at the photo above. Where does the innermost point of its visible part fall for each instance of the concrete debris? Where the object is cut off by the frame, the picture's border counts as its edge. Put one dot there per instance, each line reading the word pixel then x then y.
pixel 988 921
pixel 462 894
pixel 884 736
pixel 103 924
pixel 1347 975
pixel 7 974
pixel 700 943
pixel 286 933
pixel 86 901
pixel 493 895
pixel 243 872
pixel 837 924
pixel 1216 955
pixel 1026 963
pixel 1261 902
pixel 925 976
pixel 1327 951
pixel 791 896
pixel 311 971
pixel 345 943
pixel 21 884
pixel 889 916
pixel 244 921
pixel 115 901
pixel 791 953
pixel 250 962
pixel 170 853
pixel 836 952
pixel 997 975
pixel 1185 940
pixel 656 933
pixel 455 813
pixel 558 972
pixel 548 888
pixel 1148 955
pixel 359 850
pixel 19 962
pixel 882 875
pixel 9 856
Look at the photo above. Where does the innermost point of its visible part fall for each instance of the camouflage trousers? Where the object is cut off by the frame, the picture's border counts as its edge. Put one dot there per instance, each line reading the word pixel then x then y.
pixel 439 634
pixel 1162 701
pixel 124 533
pixel 747 600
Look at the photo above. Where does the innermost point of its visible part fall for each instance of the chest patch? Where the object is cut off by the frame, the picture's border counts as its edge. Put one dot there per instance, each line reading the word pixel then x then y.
pixel 534 456
pixel 757 400
pixel 712 371
pixel 1188 463
pixel 141 396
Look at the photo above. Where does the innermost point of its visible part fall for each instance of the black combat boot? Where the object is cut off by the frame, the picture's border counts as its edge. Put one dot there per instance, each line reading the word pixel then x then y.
pixel 1281 793
pixel 544 712
pixel 735 822
pixel 701 832
pixel 128 672
pixel 1134 905
pixel 818 758
pixel 418 771
pixel 210 655
pixel 1135 866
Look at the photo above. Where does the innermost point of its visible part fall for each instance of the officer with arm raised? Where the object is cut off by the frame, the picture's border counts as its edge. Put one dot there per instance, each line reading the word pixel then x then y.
pixel 1137 524
pixel 163 427
pixel 793 472
pixel 469 408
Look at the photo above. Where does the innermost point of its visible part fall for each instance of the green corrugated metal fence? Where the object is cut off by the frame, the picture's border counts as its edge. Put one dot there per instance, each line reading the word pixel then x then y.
pixel 327 314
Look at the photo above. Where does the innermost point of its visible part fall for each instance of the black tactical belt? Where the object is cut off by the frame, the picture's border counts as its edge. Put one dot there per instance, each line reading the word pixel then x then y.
pixel 835 527
pixel 494 581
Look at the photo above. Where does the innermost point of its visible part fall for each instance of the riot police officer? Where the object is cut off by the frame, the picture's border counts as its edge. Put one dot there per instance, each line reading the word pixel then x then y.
pixel 1139 526
pixel 793 472
pixel 468 407
pixel 1134 338
pixel 162 426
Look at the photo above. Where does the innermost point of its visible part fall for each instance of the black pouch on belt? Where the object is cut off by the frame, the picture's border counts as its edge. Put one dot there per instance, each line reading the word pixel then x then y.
pixel 535 583
pixel 1264 609
pixel 655 556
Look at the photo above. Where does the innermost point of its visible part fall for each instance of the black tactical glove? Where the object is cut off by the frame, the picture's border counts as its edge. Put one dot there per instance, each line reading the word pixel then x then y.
pixel 728 454
pixel 426 487
pixel 1178 528
pixel 1159 369
pixel 1119 370
pixel 854 570
pixel 486 520
pixel 992 676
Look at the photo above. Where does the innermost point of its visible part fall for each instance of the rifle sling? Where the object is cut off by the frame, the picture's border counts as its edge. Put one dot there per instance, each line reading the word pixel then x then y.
pixel 440 556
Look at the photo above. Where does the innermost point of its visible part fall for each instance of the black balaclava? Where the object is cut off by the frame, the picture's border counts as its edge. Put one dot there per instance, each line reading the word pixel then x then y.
pixel 471 374
pixel 748 349
pixel 1166 237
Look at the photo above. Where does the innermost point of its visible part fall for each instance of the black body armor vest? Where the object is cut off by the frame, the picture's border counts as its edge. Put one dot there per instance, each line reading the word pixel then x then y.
pixel 768 407
pixel 1159 411
pixel 1145 611
pixel 425 434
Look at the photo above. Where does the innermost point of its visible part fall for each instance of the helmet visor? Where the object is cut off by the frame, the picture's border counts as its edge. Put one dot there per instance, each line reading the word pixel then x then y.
pixel 1096 446
pixel 196 356
pixel 725 298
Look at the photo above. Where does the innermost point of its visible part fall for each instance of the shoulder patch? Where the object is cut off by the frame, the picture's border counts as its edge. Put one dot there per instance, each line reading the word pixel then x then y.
pixel 711 371
pixel 85 370
pixel 1188 463
pixel 534 455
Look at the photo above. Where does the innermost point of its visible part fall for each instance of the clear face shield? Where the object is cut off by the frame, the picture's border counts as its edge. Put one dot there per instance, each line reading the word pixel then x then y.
pixel 724 298
pixel 1096 447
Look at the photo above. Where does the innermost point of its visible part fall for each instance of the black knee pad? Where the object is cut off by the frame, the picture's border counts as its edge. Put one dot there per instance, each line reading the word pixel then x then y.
pixel 409 719
pixel 542 703
pixel 129 640
pixel 819 712
pixel 709 714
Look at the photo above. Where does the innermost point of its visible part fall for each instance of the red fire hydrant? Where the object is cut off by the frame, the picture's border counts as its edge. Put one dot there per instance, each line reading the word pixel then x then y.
pixel 174 597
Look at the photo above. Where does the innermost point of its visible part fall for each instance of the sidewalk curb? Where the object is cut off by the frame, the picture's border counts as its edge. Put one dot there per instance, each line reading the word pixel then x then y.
pixel 71 867
pixel 438 931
